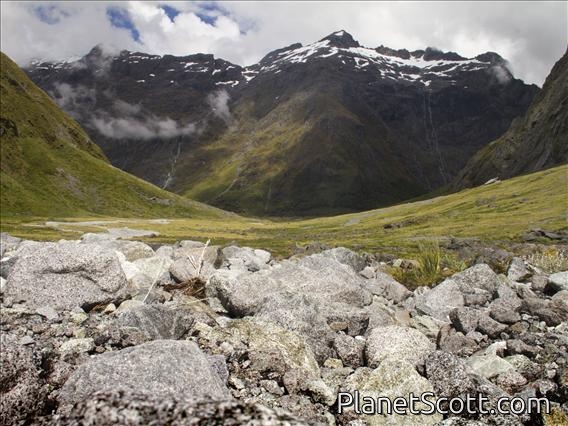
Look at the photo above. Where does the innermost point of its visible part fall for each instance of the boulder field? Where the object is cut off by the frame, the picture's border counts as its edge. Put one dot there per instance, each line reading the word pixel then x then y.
pixel 107 331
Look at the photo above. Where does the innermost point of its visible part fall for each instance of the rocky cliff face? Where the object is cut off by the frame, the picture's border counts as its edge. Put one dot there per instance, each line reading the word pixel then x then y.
pixel 533 142
pixel 327 127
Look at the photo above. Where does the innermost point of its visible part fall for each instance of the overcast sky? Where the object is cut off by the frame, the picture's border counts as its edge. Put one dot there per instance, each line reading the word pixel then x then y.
pixel 532 36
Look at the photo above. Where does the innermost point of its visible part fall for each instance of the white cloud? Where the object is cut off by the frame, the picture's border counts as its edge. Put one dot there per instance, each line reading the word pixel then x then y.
pixel 131 122
pixel 124 120
pixel 136 128
pixel 74 100
pixel 187 33
pixel 24 36
pixel 219 103
pixel 531 35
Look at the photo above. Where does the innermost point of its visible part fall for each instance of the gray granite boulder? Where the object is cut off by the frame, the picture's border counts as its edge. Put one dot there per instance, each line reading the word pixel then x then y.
pixel 163 369
pixel 158 321
pixel 270 349
pixel 386 286
pixel 392 379
pixel 317 277
pixel 518 270
pixel 558 281
pixel 8 243
pixel 65 275
pixel 401 343
pixel 472 287
pixel 346 257
pixel 314 296
pixel 140 409
pixel 21 392
pixel 246 259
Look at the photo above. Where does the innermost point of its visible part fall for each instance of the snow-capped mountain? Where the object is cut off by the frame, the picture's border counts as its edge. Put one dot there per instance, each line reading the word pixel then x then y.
pixel 421 66
pixel 330 126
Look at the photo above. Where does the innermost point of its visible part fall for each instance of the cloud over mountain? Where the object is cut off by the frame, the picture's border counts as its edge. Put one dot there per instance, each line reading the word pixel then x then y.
pixel 531 35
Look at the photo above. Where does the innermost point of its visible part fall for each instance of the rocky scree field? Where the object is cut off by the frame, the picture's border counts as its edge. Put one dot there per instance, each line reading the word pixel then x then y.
pixel 103 330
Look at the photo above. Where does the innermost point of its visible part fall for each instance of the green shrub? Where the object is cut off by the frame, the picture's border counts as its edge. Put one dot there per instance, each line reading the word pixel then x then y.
pixel 432 266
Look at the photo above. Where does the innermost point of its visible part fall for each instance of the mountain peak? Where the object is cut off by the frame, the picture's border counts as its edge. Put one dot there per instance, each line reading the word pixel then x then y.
pixel 341 39
pixel 491 57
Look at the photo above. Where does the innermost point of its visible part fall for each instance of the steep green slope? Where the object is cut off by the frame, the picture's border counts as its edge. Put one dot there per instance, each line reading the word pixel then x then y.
pixel 50 167
pixel 535 141
pixel 305 156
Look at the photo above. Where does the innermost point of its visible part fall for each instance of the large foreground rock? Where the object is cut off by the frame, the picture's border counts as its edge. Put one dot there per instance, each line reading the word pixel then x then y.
pixel 165 369
pixel 402 343
pixel 315 296
pixel 65 275
pixel 472 287
pixel 20 382
pixel 320 277
pixel 135 409
pixel 392 379
pixel 269 347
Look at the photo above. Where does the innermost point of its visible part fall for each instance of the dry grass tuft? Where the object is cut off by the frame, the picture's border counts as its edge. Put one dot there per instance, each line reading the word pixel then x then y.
pixel 550 260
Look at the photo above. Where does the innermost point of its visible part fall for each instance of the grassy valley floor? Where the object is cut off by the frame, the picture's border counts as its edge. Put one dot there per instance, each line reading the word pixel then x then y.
pixel 501 211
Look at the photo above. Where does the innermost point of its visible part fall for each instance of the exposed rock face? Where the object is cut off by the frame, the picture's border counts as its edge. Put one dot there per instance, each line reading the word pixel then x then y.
pixel 308 296
pixel 8 243
pixel 448 375
pixel 132 250
pixel 558 281
pixel 158 321
pixel 384 285
pixel 270 347
pixel 318 277
pixel 65 275
pixel 391 379
pixel 165 369
pixel 246 259
pixel 533 142
pixel 369 106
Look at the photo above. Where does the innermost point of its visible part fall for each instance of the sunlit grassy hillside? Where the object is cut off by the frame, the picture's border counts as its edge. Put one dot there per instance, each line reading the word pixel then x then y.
pixel 498 212
pixel 49 166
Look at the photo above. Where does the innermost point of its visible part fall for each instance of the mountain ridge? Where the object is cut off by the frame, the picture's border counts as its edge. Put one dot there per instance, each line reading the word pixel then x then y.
pixel 313 129
pixel 533 142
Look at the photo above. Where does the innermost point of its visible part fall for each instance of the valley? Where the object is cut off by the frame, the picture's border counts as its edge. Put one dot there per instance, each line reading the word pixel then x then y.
pixel 316 130
pixel 496 213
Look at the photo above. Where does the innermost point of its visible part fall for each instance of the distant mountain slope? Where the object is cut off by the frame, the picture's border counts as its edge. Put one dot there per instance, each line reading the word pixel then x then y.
pixel 50 167
pixel 535 141
pixel 317 129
